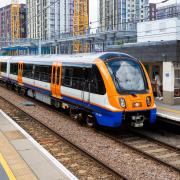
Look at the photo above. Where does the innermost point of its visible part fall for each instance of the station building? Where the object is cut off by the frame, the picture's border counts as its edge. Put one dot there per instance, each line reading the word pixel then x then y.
pixel 158 47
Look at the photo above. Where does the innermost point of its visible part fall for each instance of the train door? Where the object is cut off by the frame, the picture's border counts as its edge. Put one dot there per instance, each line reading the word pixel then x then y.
pixel 56 79
pixel 86 84
pixel 20 72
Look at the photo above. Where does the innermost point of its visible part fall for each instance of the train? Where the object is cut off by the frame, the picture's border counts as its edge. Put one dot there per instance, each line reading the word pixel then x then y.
pixel 100 89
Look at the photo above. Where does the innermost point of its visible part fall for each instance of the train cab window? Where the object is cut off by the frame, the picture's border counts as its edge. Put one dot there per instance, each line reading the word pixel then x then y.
pixel 97 85
pixel 28 71
pixel 3 67
pixel 14 68
pixel 42 73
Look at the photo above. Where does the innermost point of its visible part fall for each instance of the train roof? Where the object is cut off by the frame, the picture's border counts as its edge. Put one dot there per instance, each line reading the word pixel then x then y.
pixel 77 58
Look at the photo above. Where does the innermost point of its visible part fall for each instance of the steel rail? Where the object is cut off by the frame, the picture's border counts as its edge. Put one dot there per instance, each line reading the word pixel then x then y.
pixel 75 146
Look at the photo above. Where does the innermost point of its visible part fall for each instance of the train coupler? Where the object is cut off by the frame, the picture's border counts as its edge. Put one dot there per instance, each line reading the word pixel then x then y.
pixel 137 121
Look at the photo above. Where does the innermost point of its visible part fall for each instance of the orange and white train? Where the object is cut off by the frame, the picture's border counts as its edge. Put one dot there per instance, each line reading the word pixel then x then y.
pixel 108 89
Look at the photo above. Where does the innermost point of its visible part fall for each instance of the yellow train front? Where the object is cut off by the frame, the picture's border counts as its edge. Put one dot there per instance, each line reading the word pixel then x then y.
pixel 129 92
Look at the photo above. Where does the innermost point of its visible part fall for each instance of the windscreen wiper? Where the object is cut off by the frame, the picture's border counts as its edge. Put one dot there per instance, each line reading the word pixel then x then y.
pixel 117 80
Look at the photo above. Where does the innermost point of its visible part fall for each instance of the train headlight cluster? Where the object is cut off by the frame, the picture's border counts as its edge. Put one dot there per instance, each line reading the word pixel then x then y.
pixel 122 102
pixel 148 100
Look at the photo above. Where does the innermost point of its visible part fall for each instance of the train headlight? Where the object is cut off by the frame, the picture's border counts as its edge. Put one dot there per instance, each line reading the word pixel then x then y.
pixel 148 100
pixel 122 102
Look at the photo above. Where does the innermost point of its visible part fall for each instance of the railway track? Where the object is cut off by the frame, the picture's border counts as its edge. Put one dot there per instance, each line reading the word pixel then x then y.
pixel 159 151
pixel 143 144
pixel 83 164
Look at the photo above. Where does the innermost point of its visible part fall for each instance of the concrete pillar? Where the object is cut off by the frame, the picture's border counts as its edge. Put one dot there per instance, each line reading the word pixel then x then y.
pixel 59 49
pixel 168 83
pixel 56 49
pixel 50 50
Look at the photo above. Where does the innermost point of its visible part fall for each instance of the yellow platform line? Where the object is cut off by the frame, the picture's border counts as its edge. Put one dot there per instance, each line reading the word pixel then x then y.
pixel 6 168
pixel 169 110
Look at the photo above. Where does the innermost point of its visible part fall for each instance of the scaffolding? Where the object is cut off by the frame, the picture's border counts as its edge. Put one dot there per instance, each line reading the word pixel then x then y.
pixel 80 24
pixel 15 20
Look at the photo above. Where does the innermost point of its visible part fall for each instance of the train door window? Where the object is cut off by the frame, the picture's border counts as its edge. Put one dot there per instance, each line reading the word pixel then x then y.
pixel 58 76
pixel 3 67
pixel 54 74
pixel 97 86
pixel 14 68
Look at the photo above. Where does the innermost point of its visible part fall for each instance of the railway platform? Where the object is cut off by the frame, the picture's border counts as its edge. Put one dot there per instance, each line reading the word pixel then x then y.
pixel 168 112
pixel 21 157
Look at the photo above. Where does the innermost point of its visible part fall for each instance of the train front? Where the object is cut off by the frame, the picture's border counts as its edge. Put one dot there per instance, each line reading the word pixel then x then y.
pixel 129 90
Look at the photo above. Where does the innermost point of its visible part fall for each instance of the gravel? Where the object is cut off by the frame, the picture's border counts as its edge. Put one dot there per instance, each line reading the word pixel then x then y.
pixel 126 161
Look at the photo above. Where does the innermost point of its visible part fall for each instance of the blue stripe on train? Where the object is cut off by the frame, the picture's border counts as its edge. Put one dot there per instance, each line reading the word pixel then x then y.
pixel 44 91
pixel 104 117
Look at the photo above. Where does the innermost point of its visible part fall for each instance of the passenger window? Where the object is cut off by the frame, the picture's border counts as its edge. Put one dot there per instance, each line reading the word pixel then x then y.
pixel 28 71
pixel 3 67
pixel 75 77
pixel 14 68
pixel 43 73
pixel 97 85
pixel 67 76
pixel 87 79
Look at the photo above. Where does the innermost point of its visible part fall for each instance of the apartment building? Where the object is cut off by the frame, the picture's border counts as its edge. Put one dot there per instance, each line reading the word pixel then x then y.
pixel 169 11
pixel 49 19
pixel 66 16
pixel 122 14
pixel 6 25
pixel 41 19
pixel 109 15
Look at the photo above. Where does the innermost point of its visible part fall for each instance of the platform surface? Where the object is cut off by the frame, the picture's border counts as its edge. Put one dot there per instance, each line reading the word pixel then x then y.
pixel 23 158
pixel 167 111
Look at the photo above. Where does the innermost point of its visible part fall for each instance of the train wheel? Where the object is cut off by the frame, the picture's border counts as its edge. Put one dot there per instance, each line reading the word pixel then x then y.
pixel 76 115
pixel 90 121
pixel 73 113
pixel 57 104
